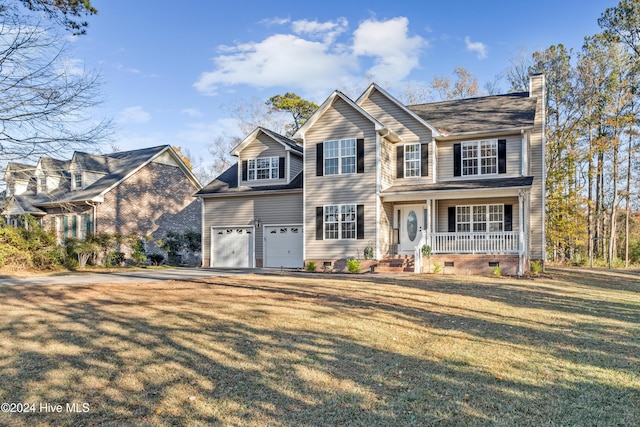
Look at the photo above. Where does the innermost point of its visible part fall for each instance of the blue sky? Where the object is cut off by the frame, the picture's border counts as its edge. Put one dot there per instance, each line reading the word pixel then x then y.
pixel 171 72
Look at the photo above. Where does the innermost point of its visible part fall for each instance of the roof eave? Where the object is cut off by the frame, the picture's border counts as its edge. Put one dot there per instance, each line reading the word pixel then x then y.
pixel 497 132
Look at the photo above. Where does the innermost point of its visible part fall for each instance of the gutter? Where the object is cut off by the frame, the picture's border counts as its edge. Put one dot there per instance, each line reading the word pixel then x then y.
pixel 494 132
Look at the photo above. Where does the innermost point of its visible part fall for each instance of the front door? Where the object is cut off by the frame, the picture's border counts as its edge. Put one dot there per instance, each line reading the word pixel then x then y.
pixel 410 226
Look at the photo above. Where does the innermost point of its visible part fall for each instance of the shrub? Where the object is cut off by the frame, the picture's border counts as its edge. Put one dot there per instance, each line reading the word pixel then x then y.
pixel 535 266
pixel 156 259
pixel 353 265
pixel 437 267
pixel 114 259
pixel 310 267
pixel 368 252
pixel 138 249
pixel 173 243
pixel 496 271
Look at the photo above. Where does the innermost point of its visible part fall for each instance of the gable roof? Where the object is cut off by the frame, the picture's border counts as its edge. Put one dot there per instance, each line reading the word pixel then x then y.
pixel 51 166
pixel 477 115
pixel 91 162
pixel 287 143
pixel 20 171
pixel 227 184
pixel 336 95
pixel 374 87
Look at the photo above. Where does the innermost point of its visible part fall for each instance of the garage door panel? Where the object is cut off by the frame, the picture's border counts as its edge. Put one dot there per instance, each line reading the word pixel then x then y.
pixel 283 246
pixel 232 247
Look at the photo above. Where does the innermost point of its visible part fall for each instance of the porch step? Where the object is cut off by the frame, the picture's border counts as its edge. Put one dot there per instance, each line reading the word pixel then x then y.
pixel 395 264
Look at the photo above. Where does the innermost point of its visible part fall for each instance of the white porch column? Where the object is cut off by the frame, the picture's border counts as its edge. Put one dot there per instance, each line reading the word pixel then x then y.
pixel 521 228
pixel 429 225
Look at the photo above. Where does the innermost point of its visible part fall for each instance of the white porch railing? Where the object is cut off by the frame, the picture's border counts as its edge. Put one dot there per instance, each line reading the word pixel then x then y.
pixel 504 242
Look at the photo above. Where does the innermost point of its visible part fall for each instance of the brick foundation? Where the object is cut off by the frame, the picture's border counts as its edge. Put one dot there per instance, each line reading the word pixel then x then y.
pixel 474 264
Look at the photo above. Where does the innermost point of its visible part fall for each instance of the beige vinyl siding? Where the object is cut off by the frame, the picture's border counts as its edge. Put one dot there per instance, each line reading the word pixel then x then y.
pixel 295 163
pixel 442 218
pixel 387 164
pixel 445 159
pixel 386 228
pixel 242 210
pixel 262 146
pixel 410 130
pixel 536 169
pixel 339 122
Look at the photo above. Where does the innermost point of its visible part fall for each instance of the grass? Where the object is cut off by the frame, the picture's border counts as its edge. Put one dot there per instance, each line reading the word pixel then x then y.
pixel 327 351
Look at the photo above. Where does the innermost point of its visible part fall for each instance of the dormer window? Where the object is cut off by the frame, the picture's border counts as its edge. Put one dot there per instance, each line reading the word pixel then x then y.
pixel 42 184
pixel 77 180
pixel 263 168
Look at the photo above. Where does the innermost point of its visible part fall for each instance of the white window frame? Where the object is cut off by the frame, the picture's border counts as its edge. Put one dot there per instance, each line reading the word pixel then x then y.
pixel 340 222
pixel 273 168
pixel 479 157
pixel 77 175
pixel 340 156
pixel 412 160
pixel 480 218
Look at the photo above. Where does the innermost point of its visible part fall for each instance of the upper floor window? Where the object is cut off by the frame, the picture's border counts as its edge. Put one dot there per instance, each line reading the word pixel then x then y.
pixel 480 157
pixel 77 180
pixel 411 160
pixel 340 157
pixel 263 168
pixel 42 184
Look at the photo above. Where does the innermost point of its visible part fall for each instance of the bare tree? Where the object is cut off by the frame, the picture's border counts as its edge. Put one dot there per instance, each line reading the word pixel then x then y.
pixel 465 85
pixel 45 98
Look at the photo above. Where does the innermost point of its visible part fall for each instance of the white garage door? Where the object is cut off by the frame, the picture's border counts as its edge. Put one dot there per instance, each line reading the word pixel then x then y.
pixel 231 246
pixel 283 246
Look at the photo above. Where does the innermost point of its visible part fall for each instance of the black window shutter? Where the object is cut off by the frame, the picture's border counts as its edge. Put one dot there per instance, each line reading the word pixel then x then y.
pixel 319 159
pixel 319 223
pixel 424 159
pixel 360 222
pixel 360 155
pixel 244 170
pixel 502 156
pixel 452 219
pixel 281 167
pixel 508 217
pixel 400 161
pixel 457 160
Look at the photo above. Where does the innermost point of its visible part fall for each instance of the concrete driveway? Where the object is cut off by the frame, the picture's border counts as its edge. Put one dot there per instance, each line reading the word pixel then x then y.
pixel 138 275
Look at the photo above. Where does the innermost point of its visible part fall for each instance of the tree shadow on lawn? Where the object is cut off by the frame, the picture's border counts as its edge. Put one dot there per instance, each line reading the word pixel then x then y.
pixel 208 353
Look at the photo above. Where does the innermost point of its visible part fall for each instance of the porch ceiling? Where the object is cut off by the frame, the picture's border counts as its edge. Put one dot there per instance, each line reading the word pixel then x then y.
pixel 479 188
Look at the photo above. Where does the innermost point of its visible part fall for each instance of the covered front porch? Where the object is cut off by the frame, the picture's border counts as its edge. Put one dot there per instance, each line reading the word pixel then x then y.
pixel 449 219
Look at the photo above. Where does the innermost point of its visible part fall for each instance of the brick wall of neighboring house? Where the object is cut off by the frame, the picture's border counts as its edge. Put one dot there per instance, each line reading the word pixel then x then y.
pixel 156 199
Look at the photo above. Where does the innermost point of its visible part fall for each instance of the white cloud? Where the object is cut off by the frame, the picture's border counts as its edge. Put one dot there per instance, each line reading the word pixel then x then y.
pixel 281 59
pixel 312 59
pixel 275 21
pixel 192 112
pixel 326 31
pixel 478 47
pixel 133 115
pixel 395 53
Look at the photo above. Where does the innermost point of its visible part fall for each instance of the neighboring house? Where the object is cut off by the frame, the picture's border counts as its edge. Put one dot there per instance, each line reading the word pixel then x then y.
pixel 146 192
pixel 464 177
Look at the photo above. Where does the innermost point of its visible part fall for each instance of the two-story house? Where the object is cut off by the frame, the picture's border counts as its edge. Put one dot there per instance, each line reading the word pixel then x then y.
pixel 464 177
pixel 146 192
